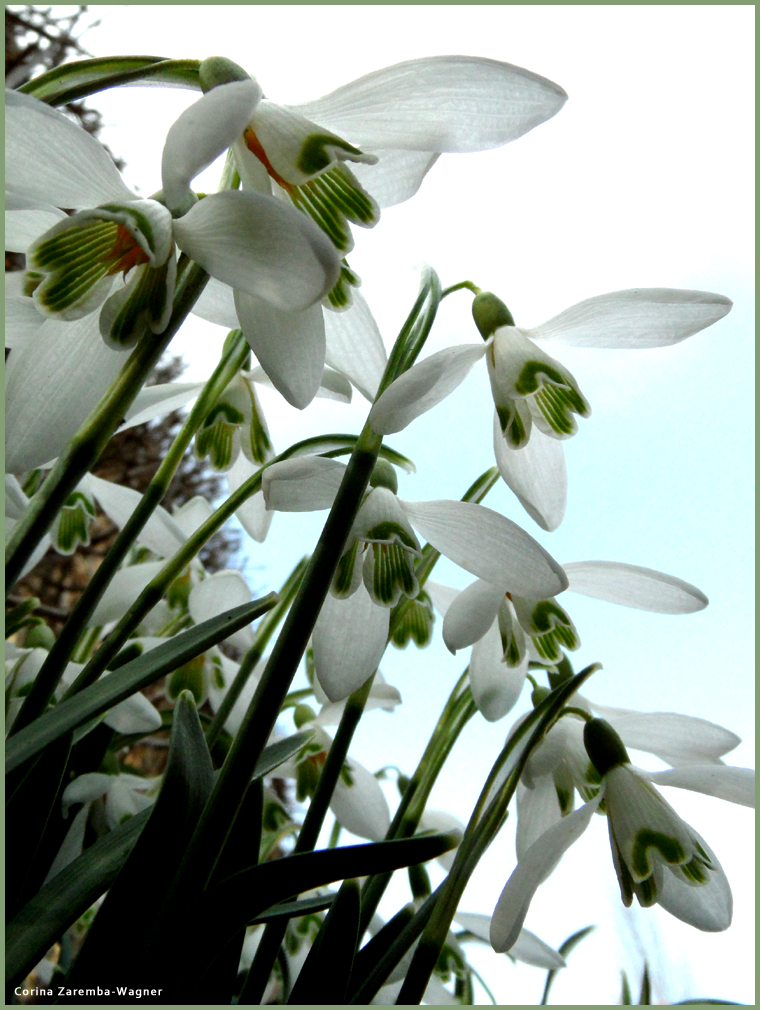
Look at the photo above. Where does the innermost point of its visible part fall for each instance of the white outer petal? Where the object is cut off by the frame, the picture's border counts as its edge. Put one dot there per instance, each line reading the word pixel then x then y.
pixel 361 808
pixel 123 590
pixel 22 320
pixel 536 473
pixel 354 345
pixel 735 785
pixel 440 103
pixel 677 739
pixel 537 811
pixel 133 715
pixel 260 246
pixel 161 534
pixel 86 788
pixel 305 484
pixel 538 863
pixel 217 305
pixel 253 514
pixel 495 686
pixel 202 132
pixel 708 907
pixel 442 596
pixel 218 593
pixel 290 346
pixel 422 387
pixel 488 545
pixel 51 159
pixel 22 227
pixel 349 641
pixel 193 514
pixel 640 317
pixel 396 177
pixel 155 401
pixel 633 586
pixel 442 820
pixel 52 384
pixel 471 614
pixel 382 696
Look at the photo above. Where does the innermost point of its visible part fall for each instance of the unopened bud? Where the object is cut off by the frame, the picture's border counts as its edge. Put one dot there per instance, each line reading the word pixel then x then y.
pixel 490 313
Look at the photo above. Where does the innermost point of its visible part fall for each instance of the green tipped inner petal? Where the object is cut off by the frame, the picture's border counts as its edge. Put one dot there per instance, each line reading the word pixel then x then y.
pixel 669 848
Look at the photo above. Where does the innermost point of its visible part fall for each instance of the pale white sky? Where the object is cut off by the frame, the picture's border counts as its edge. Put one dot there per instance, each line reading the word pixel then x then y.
pixel 643 179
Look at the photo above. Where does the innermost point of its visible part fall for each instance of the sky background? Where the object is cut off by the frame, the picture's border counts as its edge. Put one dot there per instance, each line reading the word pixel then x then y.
pixel 644 179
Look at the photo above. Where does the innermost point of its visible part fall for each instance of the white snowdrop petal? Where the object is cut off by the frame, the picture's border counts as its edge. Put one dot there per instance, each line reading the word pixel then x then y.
pixel 422 387
pixel 260 246
pixel 190 516
pixel 440 103
pixel 736 785
pixel 495 686
pixel 22 227
pixel 354 345
pixel 156 401
pixel 253 514
pixel 633 586
pixel 489 545
pixel 86 788
pixel 349 641
pixel 217 305
pixel 637 318
pixel 22 320
pixel 442 596
pixel 123 590
pixel 530 949
pixel 304 484
pixel 537 811
pixel 50 391
pixel 397 175
pixel 202 132
pixel 134 715
pixel 160 534
pixel 536 474
pixel 708 907
pixel 215 595
pixel 471 614
pixel 361 808
pixel 531 871
pixel 290 346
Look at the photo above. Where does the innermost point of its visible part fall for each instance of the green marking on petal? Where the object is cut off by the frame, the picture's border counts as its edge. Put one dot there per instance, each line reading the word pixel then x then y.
pixel 554 393
pixel 216 437
pixel 316 154
pixel 695 871
pixel 73 523
pixel 389 532
pixel 669 848
pixel 340 296
pixel 334 199
pixel 416 624
pixel 389 573
pixel 646 892
pixel 343 579
pixel 188 678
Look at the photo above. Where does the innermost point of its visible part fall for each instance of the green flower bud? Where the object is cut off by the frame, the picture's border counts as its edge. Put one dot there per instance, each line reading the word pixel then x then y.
pixel 489 313
pixel 303 714
pixel 39 636
pixel 604 746
pixel 538 694
pixel 218 70
pixel 384 475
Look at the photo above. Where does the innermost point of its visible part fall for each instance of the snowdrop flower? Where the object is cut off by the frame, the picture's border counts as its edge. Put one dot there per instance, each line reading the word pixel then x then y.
pixel 390 127
pixel 536 397
pixel 377 565
pixel 656 855
pixel 509 629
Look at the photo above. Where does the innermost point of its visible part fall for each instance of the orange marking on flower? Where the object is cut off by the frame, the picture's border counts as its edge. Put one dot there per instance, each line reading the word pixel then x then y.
pixel 126 253
pixel 253 144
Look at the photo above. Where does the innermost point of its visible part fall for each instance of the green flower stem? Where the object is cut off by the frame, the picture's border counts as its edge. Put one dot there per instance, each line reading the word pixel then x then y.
pixel 52 669
pixel 89 442
pixel 254 654
pixel 479 833
pixel 461 286
pixel 274 933
pixel 456 713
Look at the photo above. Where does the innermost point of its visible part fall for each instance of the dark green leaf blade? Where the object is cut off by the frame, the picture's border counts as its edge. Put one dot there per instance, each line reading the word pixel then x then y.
pixel 569 945
pixel 131 677
pixel 86 77
pixel 324 977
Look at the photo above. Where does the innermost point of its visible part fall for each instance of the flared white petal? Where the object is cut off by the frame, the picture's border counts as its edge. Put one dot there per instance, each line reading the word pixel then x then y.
pixel 736 785
pixel 442 596
pixel 349 641
pixel 123 590
pixel 49 158
pixel 632 586
pixel 260 246
pixel 536 473
pixel 381 696
pixel 441 103
pixel 708 907
pixel 23 227
pixel 361 807
pixel 495 686
pixel 528 948
pixel 422 387
pixel 253 514
pixel 155 401
pixel 134 715
pixel 125 799
pixel 677 739
pixel 218 593
pixel 537 810
pixel 396 177
pixel 22 320
pixel 354 346
pixel 161 534
pixel 531 871
pixel 202 133
pixel 217 305
pixel 640 317
pixel 86 788
pixel 488 545
pixel 52 384
pixel 290 346
pixel 442 820
pixel 471 614
pixel 192 514
pixel 305 484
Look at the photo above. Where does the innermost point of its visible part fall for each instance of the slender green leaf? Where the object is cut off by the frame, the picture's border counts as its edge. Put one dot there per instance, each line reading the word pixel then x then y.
pixel 187 784
pixel 645 994
pixel 369 956
pixel 128 679
pixel 566 948
pixel 294 909
pixel 18 617
pixel 277 753
pixel 67 896
pixel 324 977
pixel 86 77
